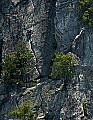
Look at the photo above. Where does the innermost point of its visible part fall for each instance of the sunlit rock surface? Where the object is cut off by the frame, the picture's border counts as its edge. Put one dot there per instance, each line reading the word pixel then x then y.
pixel 49 26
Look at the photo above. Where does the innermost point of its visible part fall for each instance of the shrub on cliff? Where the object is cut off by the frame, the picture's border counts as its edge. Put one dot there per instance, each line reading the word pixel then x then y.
pixel 17 65
pixel 86 11
pixel 63 65
pixel 25 111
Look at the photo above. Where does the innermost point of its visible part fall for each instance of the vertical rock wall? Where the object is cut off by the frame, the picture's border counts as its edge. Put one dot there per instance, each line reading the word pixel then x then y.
pixel 74 36
pixel 49 26
pixel 34 22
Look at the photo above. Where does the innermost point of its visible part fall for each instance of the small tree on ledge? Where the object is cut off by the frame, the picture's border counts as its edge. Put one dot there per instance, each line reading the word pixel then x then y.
pixel 25 111
pixel 86 11
pixel 17 65
pixel 63 66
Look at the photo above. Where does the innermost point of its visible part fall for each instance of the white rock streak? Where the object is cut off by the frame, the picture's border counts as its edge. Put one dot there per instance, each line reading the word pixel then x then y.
pixel 76 38
pixel 29 45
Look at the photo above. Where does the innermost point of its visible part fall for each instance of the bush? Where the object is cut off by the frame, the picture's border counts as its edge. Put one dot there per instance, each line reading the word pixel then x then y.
pixel 25 111
pixel 17 65
pixel 86 11
pixel 63 66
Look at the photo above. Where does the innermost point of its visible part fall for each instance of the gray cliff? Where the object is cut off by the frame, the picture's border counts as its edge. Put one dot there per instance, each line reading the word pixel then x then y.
pixel 49 26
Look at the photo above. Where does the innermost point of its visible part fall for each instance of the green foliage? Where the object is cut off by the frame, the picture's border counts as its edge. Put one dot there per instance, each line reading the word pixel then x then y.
pixel 17 65
pixel 85 107
pixel 25 111
pixel 63 65
pixel 86 11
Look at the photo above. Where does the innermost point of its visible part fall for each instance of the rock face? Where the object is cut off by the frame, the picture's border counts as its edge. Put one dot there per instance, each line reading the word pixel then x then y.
pixel 49 26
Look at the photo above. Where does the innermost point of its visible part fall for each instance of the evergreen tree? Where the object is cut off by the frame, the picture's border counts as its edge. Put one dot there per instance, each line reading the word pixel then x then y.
pixel 17 65
pixel 86 11
pixel 63 66
pixel 25 111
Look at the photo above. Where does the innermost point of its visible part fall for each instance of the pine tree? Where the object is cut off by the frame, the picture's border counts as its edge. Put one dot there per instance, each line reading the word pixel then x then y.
pixel 25 111
pixel 86 11
pixel 63 67
pixel 17 65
